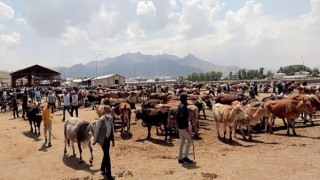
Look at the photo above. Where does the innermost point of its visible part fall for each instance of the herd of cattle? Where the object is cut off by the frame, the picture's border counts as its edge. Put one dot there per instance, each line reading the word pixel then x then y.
pixel 231 110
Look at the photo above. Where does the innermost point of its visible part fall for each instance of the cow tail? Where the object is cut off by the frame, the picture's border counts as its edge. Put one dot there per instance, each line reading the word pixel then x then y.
pixel 214 112
pixel 197 119
pixel 65 135
pixel 125 118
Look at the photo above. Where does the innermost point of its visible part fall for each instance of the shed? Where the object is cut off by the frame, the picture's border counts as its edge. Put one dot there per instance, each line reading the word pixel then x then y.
pixel 34 76
pixel 108 80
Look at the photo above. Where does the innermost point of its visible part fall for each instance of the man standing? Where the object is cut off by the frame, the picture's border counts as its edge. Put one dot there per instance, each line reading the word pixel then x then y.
pixel 24 103
pixel 211 92
pixel 47 123
pixel 37 95
pixel 52 101
pixel 218 89
pixel 74 103
pixel 66 104
pixel 104 134
pixel 15 107
pixel 182 125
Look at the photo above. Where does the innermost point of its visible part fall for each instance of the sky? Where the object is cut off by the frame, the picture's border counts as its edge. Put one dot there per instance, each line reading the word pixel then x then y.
pixel 250 34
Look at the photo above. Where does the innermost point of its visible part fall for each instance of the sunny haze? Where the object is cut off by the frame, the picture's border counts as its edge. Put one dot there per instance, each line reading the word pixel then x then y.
pixel 248 34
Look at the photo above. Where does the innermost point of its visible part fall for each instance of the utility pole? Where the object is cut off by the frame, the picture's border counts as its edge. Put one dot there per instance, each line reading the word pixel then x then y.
pixel 96 55
pixel 70 69
pixel 304 69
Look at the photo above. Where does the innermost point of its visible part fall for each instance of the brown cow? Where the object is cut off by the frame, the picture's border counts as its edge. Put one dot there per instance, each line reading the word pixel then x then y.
pixel 227 115
pixel 100 112
pixel 254 115
pixel 229 98
pixel 125 113
pixel 193 117
pixel 161 96
pixel 288 109
pixel 315 103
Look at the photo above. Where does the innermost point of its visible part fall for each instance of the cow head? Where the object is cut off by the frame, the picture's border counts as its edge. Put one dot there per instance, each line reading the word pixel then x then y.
pixel 306 107
pixel 239 112
pixel 262 112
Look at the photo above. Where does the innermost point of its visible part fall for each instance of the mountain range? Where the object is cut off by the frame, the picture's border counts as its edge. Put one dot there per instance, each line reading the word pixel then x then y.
pixel 141 65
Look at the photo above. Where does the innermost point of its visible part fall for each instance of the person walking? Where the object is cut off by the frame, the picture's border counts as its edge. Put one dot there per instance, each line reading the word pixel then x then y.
pixel 15 107
pixel 218 89
pixel 47 123
pixel 211 92
pixel 104 134
pixel 74 103
pixel 37 95
pixel 66 104
pixel 184 134
pixel 24 104
pixel 52 101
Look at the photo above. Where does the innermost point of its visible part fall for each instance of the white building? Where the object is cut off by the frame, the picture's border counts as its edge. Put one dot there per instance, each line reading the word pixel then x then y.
pixel 305 73
pixel 108 80
pixel 279 75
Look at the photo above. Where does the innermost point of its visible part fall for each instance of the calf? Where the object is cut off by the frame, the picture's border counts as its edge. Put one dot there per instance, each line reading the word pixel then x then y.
pixel 254 115
pixel 227 115
pixel 155 117
pixel 201 105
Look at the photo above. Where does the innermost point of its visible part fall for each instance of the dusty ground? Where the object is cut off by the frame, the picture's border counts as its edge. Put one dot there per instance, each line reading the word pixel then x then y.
pixel 23 154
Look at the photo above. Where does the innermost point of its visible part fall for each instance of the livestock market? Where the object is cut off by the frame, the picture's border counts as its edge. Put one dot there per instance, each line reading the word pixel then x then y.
pixel 159 89
pixel 273 126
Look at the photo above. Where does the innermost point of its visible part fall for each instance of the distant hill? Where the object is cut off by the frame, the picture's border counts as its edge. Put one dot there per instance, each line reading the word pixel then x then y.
pixel 4 75
pixel 141 65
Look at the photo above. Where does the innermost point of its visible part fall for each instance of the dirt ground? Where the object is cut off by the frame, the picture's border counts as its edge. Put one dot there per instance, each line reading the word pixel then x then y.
pixel 23 154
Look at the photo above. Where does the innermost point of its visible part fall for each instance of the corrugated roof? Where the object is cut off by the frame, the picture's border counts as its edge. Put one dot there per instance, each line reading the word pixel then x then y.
pixel 106 76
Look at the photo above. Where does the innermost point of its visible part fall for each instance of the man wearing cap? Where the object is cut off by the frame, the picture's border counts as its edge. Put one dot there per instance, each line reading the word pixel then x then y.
pixel 184 134
pixel 104 134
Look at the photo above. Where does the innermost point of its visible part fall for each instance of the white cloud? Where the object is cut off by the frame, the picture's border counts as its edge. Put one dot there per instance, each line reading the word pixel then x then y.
pixel 72 35
pixel 198 17
pixel 6 13
pixel 205 28
pixel 145 7
pixel 8 41
pixel 51 18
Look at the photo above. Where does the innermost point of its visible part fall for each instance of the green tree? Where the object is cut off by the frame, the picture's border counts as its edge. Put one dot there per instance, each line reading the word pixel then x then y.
pixel 290 70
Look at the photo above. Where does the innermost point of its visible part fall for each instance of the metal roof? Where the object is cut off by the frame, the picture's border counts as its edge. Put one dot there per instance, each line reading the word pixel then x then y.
pixel 106 76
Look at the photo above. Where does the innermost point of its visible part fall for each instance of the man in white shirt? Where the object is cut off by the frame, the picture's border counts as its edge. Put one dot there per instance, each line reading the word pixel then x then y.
pixel 66 104
pixel 37 95
pixel 52 101
pixel 74 103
